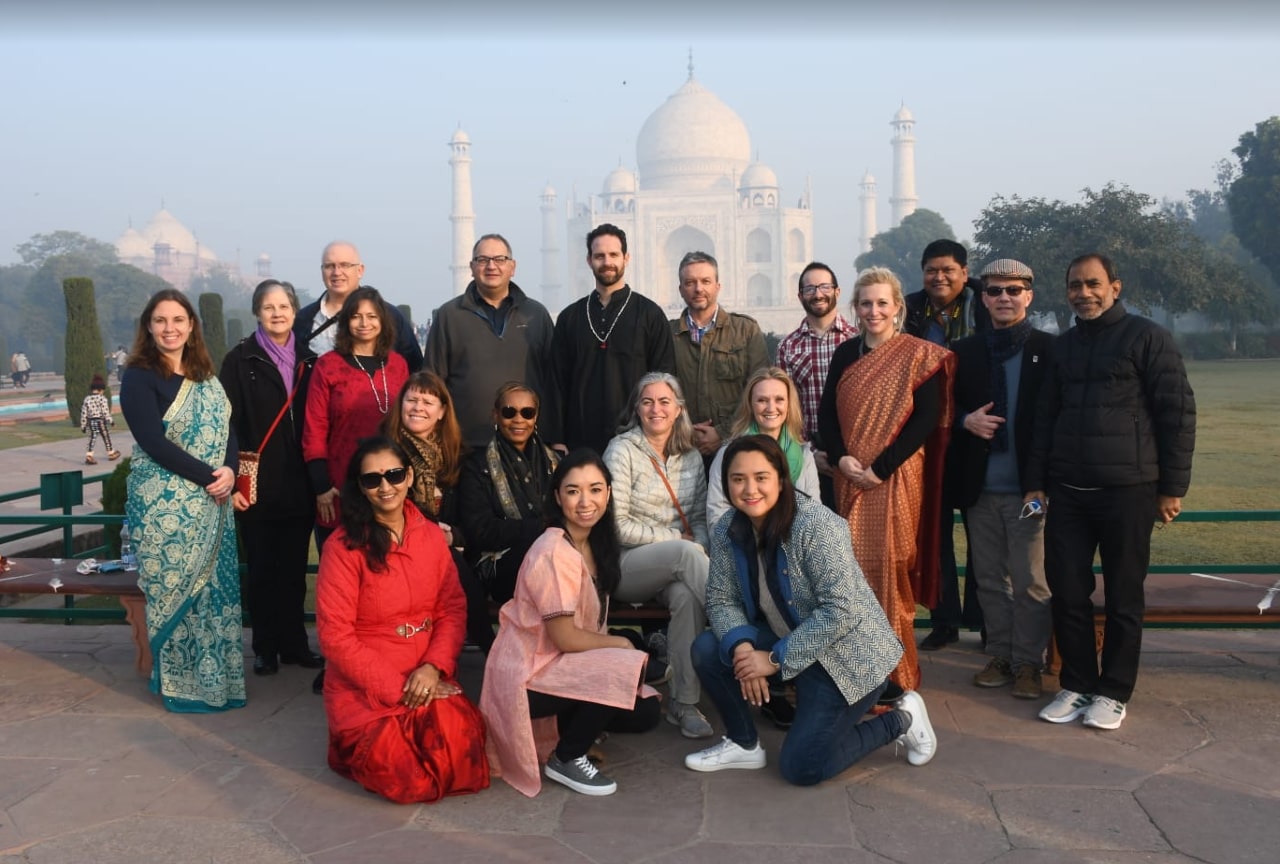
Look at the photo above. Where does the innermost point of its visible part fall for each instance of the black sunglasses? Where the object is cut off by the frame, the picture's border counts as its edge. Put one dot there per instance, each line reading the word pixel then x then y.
pixel 394 476
pixel 509 412
pixel 997 290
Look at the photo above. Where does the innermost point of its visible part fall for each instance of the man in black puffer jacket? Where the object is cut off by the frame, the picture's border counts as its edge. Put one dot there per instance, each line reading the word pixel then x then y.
pixel 1115 431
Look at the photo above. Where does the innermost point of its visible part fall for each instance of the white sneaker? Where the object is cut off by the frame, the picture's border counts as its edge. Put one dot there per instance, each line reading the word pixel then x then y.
pixel 692 722
pixel 921 742
pixel 580 775
pixel 1104 713
pixel 1066 706
pixel 727 754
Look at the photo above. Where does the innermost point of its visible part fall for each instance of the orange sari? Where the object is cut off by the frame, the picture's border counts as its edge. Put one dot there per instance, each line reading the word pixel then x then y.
pixel 897 550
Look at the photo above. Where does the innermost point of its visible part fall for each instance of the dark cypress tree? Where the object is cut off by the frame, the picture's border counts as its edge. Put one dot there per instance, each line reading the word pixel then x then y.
pixel 84 354
pixel 211 320
pixel 235 332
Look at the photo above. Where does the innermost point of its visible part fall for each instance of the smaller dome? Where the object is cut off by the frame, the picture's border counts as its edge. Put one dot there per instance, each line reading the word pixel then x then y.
pixel 549 191
pixel 757 176
pixel 620 182
pixel 133 245
pixel 459 137
pixel 868 179
pixel 903 116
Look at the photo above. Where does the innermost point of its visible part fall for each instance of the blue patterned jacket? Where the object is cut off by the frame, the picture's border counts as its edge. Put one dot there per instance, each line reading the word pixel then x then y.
pixel 839 622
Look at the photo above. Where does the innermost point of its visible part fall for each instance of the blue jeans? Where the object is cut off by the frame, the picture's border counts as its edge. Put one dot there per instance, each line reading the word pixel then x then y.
pixel 828 735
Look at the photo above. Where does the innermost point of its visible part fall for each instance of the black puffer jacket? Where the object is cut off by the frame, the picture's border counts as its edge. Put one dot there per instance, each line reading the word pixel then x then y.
pixel 1116 410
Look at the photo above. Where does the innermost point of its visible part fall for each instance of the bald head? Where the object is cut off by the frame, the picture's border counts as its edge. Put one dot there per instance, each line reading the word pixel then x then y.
pixel 341 269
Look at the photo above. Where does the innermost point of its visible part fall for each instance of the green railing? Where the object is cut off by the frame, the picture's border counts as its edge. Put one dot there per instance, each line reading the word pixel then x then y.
pixel 68 488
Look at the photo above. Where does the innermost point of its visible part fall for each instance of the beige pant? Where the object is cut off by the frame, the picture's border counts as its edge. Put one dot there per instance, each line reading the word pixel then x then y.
pixel 675 572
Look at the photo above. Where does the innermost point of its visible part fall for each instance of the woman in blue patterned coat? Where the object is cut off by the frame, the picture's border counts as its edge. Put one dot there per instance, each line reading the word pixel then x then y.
pixel 785 594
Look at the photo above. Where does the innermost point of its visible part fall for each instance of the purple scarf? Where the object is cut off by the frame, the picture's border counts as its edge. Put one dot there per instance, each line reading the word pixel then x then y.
pixel 281 355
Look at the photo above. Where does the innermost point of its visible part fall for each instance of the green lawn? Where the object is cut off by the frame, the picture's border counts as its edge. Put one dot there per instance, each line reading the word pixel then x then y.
pixel 25 432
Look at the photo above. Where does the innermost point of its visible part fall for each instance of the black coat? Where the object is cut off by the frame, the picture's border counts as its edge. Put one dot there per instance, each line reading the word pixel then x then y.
pixel 256 392
pixel 967 455
pixel 406 342
pixel 977 318
pixel 1116 410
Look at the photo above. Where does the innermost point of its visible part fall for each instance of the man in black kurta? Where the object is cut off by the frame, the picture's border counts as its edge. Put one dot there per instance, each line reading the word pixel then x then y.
pixel 604 343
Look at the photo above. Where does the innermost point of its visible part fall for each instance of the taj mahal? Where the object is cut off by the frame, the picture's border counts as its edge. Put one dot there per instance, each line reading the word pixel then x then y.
pixel 696 187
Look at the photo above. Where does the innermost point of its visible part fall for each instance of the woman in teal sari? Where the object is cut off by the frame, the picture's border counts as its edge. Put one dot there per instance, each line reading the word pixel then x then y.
pixel 181 478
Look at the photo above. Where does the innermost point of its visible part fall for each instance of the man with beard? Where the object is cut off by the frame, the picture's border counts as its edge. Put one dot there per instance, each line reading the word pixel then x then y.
pixel 805 355
pixel 341 269
pixel 604 343
pixel 716 352
pixel 944 310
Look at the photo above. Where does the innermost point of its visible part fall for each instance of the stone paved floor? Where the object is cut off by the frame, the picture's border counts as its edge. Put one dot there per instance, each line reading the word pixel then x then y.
pixel 92 770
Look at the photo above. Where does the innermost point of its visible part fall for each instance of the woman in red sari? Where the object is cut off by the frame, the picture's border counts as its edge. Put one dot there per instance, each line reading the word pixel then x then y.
pixel 391 617
pixel 885 415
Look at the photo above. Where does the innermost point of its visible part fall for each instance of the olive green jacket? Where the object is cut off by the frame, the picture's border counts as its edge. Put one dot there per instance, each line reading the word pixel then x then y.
pixel 714 373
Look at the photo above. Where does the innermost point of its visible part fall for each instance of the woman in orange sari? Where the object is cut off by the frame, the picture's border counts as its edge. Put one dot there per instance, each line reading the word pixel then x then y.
pixel 886 415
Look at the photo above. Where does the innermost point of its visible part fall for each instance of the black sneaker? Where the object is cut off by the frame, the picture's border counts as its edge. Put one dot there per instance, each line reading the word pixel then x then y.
pixel 940 637
pixel 579 775
pixel 656 672
pixel 779 710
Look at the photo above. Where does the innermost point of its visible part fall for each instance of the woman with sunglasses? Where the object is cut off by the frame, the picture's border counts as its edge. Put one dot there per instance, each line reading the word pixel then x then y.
pixel 503 491
pixel 556 679
pixel 391 617
pixel 886 417
pixel 423 421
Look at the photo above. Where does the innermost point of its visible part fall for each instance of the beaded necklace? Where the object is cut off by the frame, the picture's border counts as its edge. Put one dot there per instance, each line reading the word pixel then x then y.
pixel 604 340
pixel 384 404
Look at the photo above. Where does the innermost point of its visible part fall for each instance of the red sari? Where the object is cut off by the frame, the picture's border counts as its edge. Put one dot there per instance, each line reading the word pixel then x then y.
pixel 408 755
pixel 898 551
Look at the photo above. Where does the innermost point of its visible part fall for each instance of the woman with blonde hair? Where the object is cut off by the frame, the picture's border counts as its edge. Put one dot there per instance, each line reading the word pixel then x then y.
pixel 770 406
pixel 885 417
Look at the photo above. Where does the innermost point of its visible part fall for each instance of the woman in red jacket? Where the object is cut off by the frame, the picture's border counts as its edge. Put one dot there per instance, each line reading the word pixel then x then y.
pixel 391 618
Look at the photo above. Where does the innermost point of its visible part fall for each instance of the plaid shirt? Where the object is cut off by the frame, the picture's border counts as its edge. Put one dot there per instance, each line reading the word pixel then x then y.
pixel 806 357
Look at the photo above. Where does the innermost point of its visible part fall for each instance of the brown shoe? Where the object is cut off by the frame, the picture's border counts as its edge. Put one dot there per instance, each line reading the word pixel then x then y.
pixel 89 460
pixel 1026 681
pixel 113 455
pixel 997 674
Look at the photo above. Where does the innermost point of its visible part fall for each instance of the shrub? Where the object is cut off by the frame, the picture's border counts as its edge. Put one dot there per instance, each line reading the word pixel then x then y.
pixel 84 355
pixel 213 324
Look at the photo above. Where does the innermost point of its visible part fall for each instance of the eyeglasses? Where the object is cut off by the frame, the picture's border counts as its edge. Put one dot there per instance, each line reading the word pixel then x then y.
pixel 394 476
pixel 509 412
pixel 1011 290
pixel 486 260
pixel 824 288
pixel 408 631
pixel 341 265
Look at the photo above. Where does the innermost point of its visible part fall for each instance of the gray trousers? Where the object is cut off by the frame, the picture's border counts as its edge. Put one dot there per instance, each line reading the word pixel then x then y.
pixel 675 572
pixel 1008 566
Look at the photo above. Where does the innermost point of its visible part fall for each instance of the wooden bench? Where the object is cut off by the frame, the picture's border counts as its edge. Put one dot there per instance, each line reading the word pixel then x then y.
pixel 33 575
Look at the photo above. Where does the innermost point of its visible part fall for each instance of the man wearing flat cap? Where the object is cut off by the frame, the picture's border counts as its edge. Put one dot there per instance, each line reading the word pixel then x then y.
pixel 998 375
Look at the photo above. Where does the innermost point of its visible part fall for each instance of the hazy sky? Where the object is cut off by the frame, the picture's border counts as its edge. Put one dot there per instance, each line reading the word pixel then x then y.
pixel 278 131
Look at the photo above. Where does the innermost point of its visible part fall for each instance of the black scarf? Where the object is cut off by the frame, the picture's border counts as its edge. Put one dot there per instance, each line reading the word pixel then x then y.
pixel 528 473
pixel 1002 344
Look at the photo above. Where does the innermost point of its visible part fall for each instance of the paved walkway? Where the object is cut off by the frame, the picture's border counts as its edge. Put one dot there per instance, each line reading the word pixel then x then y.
pixel 92 769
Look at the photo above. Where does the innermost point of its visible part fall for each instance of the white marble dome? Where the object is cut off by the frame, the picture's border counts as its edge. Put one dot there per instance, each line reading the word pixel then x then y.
pixel 133 245
pixel 620 182
pixel 903 116
pixel 692 142
pixel 759 176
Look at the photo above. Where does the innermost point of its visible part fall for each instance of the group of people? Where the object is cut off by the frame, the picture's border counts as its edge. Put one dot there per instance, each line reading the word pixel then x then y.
pixel 789 517
pixel 19 369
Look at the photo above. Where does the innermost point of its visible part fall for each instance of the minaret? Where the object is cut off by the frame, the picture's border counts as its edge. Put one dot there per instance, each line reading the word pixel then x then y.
pixel 904 198
pixel 868 201
pixel 462 217
pixel 550 251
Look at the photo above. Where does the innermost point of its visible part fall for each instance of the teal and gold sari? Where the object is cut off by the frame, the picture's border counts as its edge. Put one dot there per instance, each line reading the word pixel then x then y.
pixel 187 562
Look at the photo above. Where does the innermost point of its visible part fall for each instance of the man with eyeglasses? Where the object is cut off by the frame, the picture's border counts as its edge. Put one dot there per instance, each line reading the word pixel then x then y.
pixel 605 342
pixel 1114 437
pixel 488 335
pixel 999 374
pixel 341 270
pixel 944 310
pixel 716 352
pixel 805 355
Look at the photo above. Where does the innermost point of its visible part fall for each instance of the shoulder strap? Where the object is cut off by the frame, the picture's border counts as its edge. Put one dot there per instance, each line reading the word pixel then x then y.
pixel 665 482
pixel 287 402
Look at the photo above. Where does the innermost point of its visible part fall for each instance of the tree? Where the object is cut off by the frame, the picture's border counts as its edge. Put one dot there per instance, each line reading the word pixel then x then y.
pixel 235 330
pixel 211 321
pixel 42 247
pixel 900 248
pixel 83 343
pixel 1254 197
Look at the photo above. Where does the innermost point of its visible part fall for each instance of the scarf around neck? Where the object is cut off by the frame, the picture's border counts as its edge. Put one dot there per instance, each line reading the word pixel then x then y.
pixel 282 356
pixel 791 448
pixel 1003 344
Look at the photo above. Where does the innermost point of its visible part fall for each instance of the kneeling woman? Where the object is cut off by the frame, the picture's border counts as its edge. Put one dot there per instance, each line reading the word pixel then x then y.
pixel 554 671
pixel 391 618
pixel 785 594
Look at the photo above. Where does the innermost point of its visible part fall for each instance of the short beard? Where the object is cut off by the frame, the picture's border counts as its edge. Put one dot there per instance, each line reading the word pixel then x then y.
pixel 609 281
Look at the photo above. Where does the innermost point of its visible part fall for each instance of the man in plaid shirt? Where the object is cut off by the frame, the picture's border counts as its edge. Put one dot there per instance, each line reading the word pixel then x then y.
pixel 805 355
